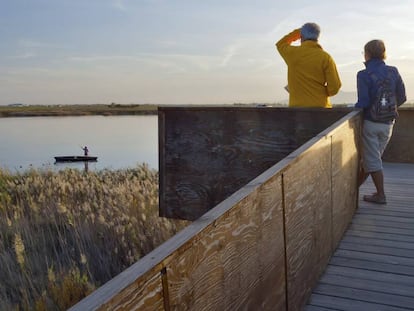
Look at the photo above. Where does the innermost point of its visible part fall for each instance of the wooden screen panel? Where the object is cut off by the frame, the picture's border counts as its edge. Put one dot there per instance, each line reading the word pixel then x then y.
pixel 401 147
pixel 145 293
pixel 236 263
pixel 308 227
pixel 208 154
pixel 345 160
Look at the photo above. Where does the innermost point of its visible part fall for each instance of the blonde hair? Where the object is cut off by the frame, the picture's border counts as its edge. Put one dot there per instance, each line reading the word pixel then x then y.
pixel 375 49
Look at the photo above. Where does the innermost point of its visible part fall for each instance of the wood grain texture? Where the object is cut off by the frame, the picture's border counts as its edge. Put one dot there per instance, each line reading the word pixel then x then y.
pixel 144 294
pixel 345 160
pixel 124 293
pixel 206 154
pixel 307 184
pixel 232 266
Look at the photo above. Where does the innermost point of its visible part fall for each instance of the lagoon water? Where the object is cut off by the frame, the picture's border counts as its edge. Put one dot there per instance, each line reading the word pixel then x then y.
pixel 118 141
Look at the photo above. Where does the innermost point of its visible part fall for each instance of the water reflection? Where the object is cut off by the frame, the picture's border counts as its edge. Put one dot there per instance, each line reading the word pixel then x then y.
pixel 118 141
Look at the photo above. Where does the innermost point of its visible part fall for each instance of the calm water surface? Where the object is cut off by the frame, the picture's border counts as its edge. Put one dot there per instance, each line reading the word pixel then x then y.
pixel 118 141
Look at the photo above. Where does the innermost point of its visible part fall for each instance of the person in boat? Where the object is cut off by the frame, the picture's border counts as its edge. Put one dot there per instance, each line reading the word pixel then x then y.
pixel 377 125
pixel 85 151
pixel 312 72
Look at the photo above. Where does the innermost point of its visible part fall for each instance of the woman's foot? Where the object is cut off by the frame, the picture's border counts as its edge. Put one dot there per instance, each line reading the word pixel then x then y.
pixel 375 198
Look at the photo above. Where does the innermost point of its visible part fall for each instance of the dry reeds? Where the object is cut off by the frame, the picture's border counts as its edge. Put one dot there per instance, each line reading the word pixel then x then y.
pixel 62 234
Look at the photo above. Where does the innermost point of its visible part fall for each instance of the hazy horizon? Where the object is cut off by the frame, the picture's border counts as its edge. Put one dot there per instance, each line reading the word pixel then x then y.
pixel 180 51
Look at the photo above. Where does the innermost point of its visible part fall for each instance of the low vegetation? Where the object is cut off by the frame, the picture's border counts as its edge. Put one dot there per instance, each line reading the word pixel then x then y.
pixel 63 234
pixel 76 110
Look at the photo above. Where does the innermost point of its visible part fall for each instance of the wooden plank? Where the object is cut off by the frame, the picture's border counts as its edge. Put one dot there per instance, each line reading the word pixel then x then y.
pixel 231 266
pixel 378 249
pixel 345 141
pixel 382 223
pixel 308 220
pixel 318 308
pixel 362 300
pixel 375 257
pixel 394 212
pixel 379 235
pixel 377 228
pixel 372 265
pixel 388 218
pixel 365 295
pixel 350 304
pixel 378 242
pixel 362 274
pixel 372 285
pixel 143 294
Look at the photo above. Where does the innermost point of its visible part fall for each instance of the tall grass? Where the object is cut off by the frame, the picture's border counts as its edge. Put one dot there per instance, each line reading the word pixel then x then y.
pixel 63 234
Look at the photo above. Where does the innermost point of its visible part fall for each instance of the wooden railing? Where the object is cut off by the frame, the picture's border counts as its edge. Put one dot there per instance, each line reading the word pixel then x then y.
pixel 262 248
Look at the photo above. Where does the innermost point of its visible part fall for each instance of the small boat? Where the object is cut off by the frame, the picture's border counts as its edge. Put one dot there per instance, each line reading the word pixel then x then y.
pixel 75 159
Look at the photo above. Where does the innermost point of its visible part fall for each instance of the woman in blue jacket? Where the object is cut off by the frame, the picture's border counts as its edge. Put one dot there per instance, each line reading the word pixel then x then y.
pixel 377 126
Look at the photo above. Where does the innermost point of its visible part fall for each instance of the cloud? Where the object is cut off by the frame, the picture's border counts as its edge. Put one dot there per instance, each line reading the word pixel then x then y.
pixel 228 55
pixel 98 58
pixel 119 4
pixel 26 55
pixel 150 62
pixel 29 43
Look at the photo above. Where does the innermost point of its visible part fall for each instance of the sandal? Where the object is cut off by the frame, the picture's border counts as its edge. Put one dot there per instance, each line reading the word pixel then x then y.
pixel 375 198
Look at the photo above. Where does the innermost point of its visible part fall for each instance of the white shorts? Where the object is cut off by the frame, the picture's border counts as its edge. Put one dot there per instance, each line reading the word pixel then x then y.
pixel 375 137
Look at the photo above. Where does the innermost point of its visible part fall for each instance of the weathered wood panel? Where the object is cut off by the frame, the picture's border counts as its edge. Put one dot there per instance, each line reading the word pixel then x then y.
pixel 345 160
pixel 136 288
pixel 307 186
pixel 401 146
pixel 206 154
pixel 238 262
pixel 144 294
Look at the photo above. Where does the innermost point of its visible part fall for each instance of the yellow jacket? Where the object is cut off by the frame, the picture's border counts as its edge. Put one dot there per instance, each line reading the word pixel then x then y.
pixel 312 73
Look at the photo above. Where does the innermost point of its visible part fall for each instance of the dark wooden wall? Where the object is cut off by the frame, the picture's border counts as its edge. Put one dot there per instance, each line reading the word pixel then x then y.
pixel 401 146
pixel 207 153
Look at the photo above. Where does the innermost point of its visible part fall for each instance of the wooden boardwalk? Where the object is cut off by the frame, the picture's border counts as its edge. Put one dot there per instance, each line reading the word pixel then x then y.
pixel 373 267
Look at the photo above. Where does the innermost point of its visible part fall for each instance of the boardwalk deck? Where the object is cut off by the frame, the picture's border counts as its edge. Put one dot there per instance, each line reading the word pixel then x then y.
pixel 373 267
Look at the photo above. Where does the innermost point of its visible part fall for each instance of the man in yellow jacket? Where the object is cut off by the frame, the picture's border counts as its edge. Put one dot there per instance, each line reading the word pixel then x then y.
pixel 312 73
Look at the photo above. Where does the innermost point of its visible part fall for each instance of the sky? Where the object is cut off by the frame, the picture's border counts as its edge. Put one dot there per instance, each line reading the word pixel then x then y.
pixel 179 52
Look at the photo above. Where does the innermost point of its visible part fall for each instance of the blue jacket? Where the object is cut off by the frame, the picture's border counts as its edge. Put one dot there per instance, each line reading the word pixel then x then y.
pixel 366 87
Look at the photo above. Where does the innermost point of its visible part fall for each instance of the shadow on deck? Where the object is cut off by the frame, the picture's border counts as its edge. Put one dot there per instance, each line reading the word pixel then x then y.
pixel 373 266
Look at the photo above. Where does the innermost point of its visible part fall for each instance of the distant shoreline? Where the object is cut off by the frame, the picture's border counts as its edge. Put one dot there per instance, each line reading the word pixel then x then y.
pixel 77 110
pixel 20 110
pixel 112 109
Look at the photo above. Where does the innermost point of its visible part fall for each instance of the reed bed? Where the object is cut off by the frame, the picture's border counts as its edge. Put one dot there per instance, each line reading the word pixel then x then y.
pixel 63 234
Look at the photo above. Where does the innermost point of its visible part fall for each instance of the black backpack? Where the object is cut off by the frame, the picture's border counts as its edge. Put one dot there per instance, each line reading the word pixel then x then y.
pixel 384 106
